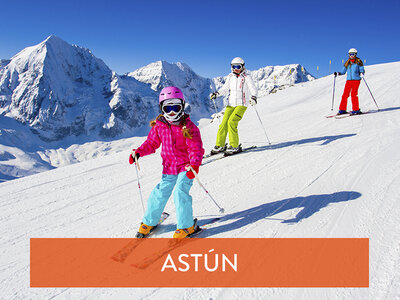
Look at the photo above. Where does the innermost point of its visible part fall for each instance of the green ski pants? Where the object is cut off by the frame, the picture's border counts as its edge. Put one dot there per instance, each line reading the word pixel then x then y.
pixel 232 116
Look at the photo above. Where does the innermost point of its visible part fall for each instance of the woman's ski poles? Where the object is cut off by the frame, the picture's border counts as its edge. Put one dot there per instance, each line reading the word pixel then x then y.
pixel 262 125
pixel 137 167
pixel 370 92
pixel 221 210
pixel 216 111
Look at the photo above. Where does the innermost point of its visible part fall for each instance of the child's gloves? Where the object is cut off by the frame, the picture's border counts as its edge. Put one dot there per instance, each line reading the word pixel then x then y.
pixel 133 155
pixel 189 172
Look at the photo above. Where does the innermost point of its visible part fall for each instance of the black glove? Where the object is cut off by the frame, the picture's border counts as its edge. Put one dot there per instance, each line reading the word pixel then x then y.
pixel 336 73
pixel 253 100
pixel 213 95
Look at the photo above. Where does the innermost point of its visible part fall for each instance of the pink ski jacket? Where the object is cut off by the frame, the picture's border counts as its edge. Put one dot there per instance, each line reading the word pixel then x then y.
pixel 177 151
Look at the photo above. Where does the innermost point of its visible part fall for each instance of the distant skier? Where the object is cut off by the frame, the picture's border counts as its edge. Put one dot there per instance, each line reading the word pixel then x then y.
pixel 181 146
pixel 242 91
pixel 354 68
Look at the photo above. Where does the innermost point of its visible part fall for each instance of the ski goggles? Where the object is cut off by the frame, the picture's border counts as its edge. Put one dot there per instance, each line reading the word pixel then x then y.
pixel 352 54
pixel 172 108
pixel 236 67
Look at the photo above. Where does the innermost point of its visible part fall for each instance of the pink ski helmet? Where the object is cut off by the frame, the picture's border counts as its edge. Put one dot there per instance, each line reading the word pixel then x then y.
pixel 170 92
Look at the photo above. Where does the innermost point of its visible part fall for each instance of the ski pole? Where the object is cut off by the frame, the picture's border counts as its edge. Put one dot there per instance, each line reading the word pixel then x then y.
pixel 333 96
pixel 137 167
pixel 221 210
pixel 370 92
pixel 262 125
pixel 216 111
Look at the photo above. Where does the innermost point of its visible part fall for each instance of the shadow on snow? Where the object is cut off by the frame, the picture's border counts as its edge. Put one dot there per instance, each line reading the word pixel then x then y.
pixel 386 109
pixel 324 139
pixel 310 204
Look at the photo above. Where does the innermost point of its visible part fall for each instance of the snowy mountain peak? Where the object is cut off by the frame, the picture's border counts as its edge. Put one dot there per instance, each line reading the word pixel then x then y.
pixel 195 88
pixel 54 40
pixel 162 73
pixel 61 90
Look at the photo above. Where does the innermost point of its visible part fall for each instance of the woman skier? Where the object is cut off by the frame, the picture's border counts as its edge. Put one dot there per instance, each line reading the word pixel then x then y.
pixel 181 147
pixel 354 68
pixel 241 92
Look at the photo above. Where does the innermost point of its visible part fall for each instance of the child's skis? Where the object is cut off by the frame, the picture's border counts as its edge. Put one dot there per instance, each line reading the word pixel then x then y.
pixel 173 244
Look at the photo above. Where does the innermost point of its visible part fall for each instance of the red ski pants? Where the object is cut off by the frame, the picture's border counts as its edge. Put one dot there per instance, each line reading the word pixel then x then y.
pixel 350 87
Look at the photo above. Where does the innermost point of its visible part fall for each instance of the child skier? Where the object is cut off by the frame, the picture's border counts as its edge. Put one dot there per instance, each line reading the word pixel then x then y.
pixel 354 68
pixel 181 147
pixel 241 92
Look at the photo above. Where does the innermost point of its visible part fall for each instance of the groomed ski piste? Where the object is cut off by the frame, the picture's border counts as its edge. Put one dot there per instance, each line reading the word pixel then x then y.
pixel 320 178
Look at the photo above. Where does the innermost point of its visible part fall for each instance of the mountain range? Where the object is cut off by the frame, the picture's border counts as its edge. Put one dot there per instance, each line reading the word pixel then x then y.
pixel 55 94
pixel 62 90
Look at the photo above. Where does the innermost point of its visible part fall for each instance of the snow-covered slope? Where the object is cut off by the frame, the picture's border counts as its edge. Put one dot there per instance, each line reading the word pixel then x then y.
pixel 320 178
pixel 22 160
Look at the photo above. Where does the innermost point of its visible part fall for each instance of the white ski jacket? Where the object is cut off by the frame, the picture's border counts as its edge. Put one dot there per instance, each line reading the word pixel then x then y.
pixel 240 87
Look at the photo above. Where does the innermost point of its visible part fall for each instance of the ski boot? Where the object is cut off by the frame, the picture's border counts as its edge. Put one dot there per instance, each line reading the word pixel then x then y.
pixel 231 150
pixel 356 112
pixel 144 230
pixel 183 233
pixel 341 112
pixel 217 149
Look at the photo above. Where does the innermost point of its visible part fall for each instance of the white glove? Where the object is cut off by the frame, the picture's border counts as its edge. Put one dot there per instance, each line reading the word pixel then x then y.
pixel 253 100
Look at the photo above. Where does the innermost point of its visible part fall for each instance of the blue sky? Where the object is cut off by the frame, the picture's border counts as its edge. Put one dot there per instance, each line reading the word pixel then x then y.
pixel 208 34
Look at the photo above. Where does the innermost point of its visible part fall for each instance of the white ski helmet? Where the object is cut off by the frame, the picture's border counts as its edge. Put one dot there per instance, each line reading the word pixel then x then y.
pixel 237 61
pixel 353 50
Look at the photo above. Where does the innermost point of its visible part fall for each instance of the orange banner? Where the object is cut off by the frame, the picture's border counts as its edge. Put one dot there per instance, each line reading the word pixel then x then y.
pixel 196 262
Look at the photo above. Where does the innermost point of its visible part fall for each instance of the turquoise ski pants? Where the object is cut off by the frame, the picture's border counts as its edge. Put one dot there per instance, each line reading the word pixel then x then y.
pixel 182 199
